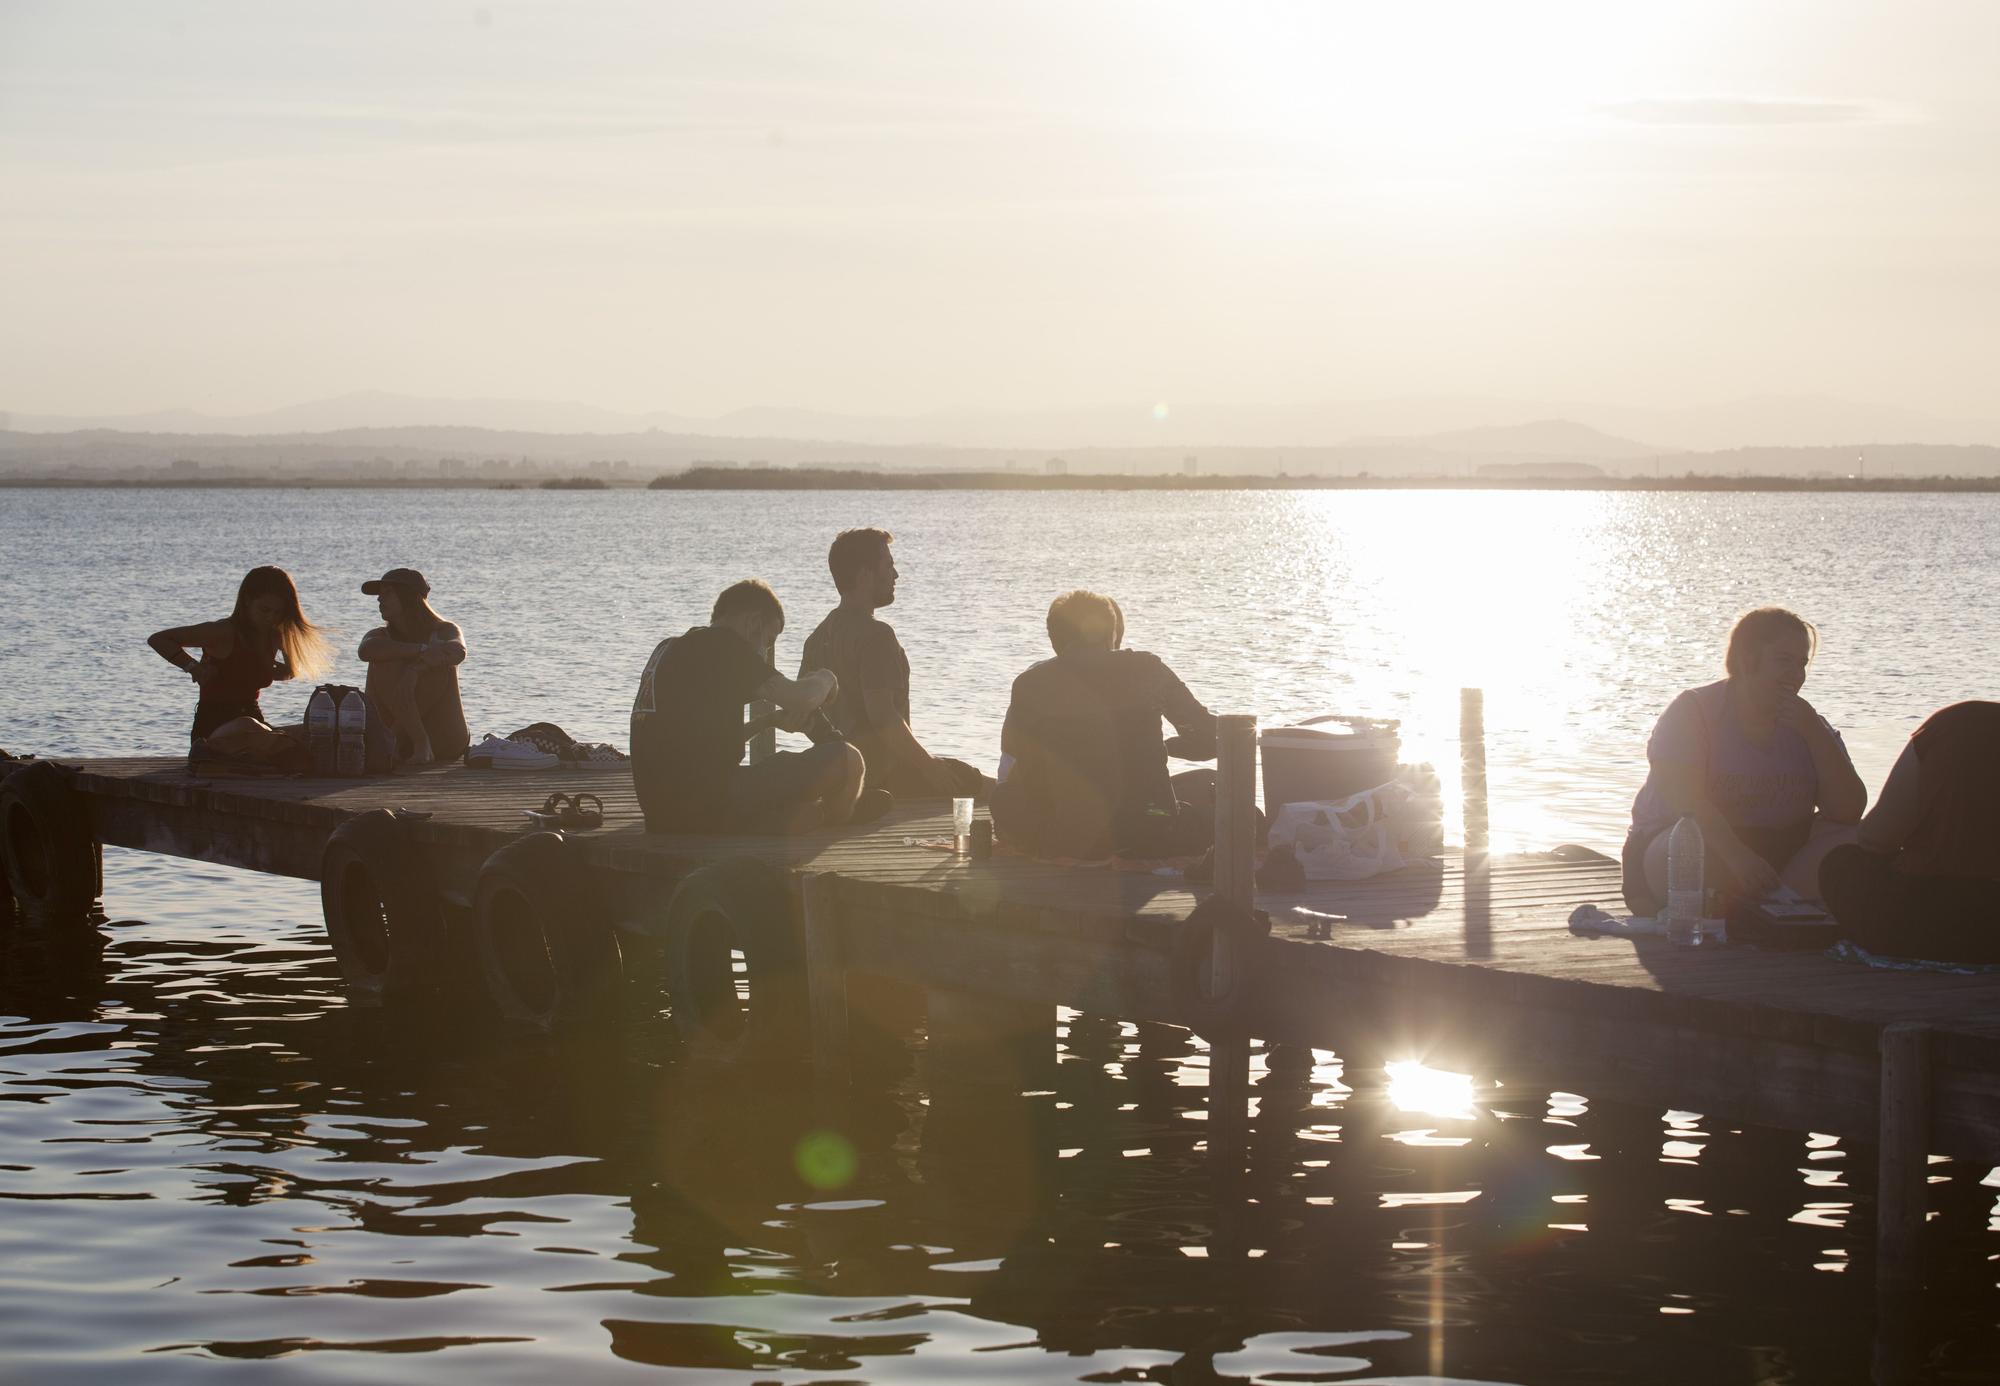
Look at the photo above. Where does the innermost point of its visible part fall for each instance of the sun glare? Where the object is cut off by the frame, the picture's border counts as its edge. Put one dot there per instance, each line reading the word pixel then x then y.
pixel 1415 1087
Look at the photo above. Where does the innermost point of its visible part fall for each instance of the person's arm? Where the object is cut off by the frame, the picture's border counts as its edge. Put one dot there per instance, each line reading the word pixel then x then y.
pixel 797 697
pixel 1193 722
pixel 1841 795
pixel 378 644
pixel 1889 824
pixel 446 647
pixel 216 638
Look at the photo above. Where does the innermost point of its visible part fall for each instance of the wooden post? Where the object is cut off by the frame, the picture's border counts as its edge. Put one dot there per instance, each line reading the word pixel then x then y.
pixel 1236 810
pixel 1472 766
pixel 826 977
pixel 1902 1177
pixel 1236 885
pixel 1477 860
pixel 764 744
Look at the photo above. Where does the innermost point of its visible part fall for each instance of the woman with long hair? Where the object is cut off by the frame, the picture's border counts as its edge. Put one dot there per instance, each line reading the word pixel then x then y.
pixel 265 639
pixel 1766 777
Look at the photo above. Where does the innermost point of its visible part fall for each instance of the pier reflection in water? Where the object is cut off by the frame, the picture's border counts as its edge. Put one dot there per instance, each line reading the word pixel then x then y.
pixel 204 1153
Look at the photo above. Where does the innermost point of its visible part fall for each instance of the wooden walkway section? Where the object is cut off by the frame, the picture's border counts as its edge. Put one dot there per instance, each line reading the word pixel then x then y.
pixel 1475 970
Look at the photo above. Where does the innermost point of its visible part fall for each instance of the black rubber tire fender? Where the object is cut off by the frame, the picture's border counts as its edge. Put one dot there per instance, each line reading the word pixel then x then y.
pixel 51 862
pixel 1240 932
pixel 549 957
pixel 741 906
pixel 382 911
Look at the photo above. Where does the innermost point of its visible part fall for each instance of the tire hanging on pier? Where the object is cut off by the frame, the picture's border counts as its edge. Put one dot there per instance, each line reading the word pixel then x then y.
pixel 52 864
pixel 736 908
pixel 1212 1010
pixel 382 912
pixel 549 956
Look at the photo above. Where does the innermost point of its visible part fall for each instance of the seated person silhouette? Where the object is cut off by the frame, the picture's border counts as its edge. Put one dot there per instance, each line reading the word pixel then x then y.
pixel 1083 761
pixel 688 732
pixel 413 659
pixel 872 708
pixel 266 638
pixel 1922 880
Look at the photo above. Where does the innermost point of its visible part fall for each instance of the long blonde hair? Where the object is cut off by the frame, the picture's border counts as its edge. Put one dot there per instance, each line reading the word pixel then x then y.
pixel 308 653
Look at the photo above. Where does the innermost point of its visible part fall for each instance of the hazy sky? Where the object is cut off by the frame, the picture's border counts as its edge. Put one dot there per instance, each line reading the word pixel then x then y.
pixel 899 207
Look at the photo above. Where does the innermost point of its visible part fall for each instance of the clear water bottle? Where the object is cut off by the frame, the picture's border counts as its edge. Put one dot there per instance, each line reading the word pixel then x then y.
pixel 1685 860
pixel 322 731
pixel 351 751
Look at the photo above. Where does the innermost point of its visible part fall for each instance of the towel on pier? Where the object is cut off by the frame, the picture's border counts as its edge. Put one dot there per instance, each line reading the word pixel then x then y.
pixel 1847 950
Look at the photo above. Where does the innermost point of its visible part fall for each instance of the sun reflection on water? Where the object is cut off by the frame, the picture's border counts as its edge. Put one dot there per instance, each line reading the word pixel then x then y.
pixel 1414 1087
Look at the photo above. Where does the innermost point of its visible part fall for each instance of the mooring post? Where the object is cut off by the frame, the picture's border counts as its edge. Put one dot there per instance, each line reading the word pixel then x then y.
pixel 826 976
pixel 764 744
pixel 1901 1190
pixel 1477 859
pixel 1236 885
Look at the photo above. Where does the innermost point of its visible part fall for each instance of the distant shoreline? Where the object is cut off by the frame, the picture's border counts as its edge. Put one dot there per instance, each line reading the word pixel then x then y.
pixel 804 479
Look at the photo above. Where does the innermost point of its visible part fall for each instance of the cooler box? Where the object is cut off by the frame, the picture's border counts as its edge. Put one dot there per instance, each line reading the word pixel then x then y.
pixel 1327 758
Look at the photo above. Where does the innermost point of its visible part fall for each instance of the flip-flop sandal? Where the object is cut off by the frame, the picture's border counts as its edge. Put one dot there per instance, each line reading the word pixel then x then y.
pixel 561 810
pixel 550 814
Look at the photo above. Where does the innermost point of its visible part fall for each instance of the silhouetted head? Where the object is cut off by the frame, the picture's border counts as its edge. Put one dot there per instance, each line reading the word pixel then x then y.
pixel 862 566
pixel 752 610
pixel 267 605
pixel 1083 620
pixel 402 596
pixel 1769 649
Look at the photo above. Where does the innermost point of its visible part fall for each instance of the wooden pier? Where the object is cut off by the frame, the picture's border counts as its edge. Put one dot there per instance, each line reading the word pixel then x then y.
pixel 428 879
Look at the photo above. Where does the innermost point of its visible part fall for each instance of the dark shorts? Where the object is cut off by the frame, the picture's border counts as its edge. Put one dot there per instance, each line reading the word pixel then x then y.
pixel 768 795
pixel 1938 918
pixel 1775 845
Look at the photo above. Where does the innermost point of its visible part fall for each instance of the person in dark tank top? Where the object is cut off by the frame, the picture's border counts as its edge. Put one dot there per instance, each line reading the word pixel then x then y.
pixel 872 709
pixel 264 639
pixel 413 660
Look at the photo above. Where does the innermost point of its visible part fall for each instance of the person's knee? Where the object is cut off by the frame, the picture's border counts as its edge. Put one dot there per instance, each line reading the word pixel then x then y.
pixel 853 765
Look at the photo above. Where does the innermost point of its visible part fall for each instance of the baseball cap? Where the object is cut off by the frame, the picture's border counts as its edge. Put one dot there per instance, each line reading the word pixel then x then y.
pixel 408 578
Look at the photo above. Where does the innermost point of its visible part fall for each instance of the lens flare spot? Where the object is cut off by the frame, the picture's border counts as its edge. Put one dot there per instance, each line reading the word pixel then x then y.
pixel 825 1160
pixel 1160 411
pixel 1413 1087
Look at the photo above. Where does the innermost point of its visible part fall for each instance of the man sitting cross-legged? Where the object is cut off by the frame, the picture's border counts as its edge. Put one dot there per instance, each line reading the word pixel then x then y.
pixel 872 708
pixel 688 732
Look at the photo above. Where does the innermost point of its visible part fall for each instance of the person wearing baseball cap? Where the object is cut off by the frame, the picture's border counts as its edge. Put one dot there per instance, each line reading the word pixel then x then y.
pixel 413 661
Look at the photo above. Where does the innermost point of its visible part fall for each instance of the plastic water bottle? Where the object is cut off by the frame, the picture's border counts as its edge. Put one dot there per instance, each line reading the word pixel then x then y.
pixel 351 756
pixel 1685 859
pixel 322 731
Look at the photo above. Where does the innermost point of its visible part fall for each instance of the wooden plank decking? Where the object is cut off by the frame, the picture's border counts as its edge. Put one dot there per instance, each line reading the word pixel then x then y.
pixel 1476 969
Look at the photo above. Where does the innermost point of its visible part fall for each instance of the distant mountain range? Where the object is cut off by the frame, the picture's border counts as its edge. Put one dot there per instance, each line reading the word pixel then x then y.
pixel 1448 424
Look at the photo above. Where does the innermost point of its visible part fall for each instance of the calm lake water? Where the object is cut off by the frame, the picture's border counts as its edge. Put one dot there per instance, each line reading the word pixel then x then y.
pixel 205 1157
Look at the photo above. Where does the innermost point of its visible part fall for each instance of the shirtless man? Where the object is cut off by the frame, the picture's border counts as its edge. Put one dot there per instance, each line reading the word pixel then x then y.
pixel 413 664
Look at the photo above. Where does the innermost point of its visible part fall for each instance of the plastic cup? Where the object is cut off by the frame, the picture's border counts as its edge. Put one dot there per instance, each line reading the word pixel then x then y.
pixel 961 824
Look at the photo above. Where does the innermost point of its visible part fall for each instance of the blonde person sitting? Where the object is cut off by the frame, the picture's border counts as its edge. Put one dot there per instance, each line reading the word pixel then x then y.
pixel 413 661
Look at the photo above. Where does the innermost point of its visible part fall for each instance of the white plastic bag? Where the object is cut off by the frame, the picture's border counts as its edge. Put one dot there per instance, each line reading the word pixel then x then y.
pixel 1380 829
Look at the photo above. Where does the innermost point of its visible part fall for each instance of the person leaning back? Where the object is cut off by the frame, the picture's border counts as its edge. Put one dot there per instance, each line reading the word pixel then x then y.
pixel 872 708
pixel 413 661
pixel 688 732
